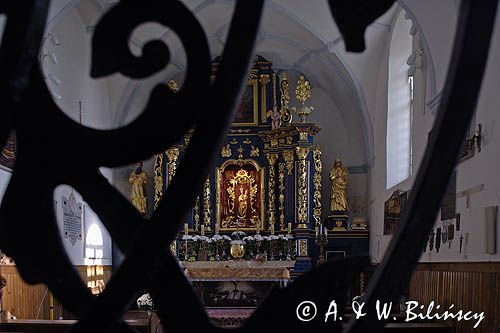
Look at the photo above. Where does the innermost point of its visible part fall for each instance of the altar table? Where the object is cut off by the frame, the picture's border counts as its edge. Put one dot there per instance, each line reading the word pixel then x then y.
pixel 239 270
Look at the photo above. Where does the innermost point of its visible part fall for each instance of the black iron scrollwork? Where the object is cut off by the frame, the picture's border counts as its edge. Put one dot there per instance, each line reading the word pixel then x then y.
pixel 30 234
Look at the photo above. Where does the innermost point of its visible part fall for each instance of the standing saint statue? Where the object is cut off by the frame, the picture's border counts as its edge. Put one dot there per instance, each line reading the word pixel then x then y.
pixel 339 178
pixel 242 203
pixel 138 179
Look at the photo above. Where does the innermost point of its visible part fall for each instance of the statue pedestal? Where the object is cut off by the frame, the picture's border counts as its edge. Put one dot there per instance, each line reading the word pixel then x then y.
pixel 337 222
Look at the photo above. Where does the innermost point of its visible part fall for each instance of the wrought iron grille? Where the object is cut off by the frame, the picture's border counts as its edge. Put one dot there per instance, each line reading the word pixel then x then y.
pixel 30 235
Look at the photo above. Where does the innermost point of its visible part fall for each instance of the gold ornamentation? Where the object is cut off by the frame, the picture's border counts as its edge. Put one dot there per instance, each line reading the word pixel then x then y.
pixel 302 190
pixel 303 93
pixel 173 247
pixel 252 74
pixel 302 152
pixel 272 158
pixel 289 140
pixel 240 152
pixel 247 141
pixel 239 130
pixel 173 155
pixel 264 79
pixel 286 114
pixel 196 214
pixel 318 167
pixel 339 178
pixel 274 143
pixel 258 220
pixel 242 178
pixel 288 157
pixel 237 250
pixel 304 136
pixel 158 170
pixel 234 141
pixel 281 179
pixel 173 86
pixel 302 247
pixel 303 90
pixel 226 151
pixel 274 114
pixel 138 179
pixel 207 211
pixel 254 152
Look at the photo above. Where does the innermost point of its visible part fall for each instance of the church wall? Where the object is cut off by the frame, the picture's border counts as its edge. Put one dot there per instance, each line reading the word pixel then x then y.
pixel 76 251
pixel 480 169
pixel 437 20
pixel 72 69
pixel 335 142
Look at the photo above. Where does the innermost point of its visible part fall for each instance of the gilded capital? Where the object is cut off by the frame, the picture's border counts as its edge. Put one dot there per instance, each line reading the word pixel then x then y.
pixel 272 158
pixel 302 152
pixel 173 154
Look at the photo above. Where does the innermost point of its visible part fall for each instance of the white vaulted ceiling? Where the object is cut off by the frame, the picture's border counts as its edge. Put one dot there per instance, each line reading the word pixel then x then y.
pixel 296 35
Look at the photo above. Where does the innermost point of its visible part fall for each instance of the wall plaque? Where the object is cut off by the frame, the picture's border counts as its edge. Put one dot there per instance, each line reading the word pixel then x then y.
pixel 72 219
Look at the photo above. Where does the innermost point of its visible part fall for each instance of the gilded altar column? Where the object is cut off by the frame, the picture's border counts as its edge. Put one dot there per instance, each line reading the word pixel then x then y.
pixel 286 114
pixel 207 211
pixel 173 155
pixel 302 190
pixel 288 157
pixel 281 178
pixel 158 170
pixel 318 167
pixel 264 79
pixel 196 214
pixel 272 158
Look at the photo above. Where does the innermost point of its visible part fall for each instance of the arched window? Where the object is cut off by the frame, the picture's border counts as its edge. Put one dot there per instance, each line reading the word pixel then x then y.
pixel 399 102
pixel 94 242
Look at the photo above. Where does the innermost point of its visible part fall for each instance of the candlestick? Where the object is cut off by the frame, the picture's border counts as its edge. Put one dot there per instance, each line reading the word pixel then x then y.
pixel 203 230
pixel 317 231
pixel 186 228
pixel 289 228
pixel 216 229
pixel 272 229
pixel 321 241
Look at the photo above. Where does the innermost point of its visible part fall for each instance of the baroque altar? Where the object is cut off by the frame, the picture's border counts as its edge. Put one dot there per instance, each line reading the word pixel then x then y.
pixel 267 176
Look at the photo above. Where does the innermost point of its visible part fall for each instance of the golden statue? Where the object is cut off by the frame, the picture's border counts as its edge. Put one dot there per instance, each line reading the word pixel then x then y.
pixel 338 176
pixel 226 151
pixel 138 179
pixel 242 203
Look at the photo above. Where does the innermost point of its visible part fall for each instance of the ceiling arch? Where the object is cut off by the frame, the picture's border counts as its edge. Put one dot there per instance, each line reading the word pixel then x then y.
pixel 313 46
pixel 297 46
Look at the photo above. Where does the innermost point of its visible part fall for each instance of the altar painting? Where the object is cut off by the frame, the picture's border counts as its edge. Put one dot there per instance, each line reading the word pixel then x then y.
pixel 240 195
pixel 248 109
